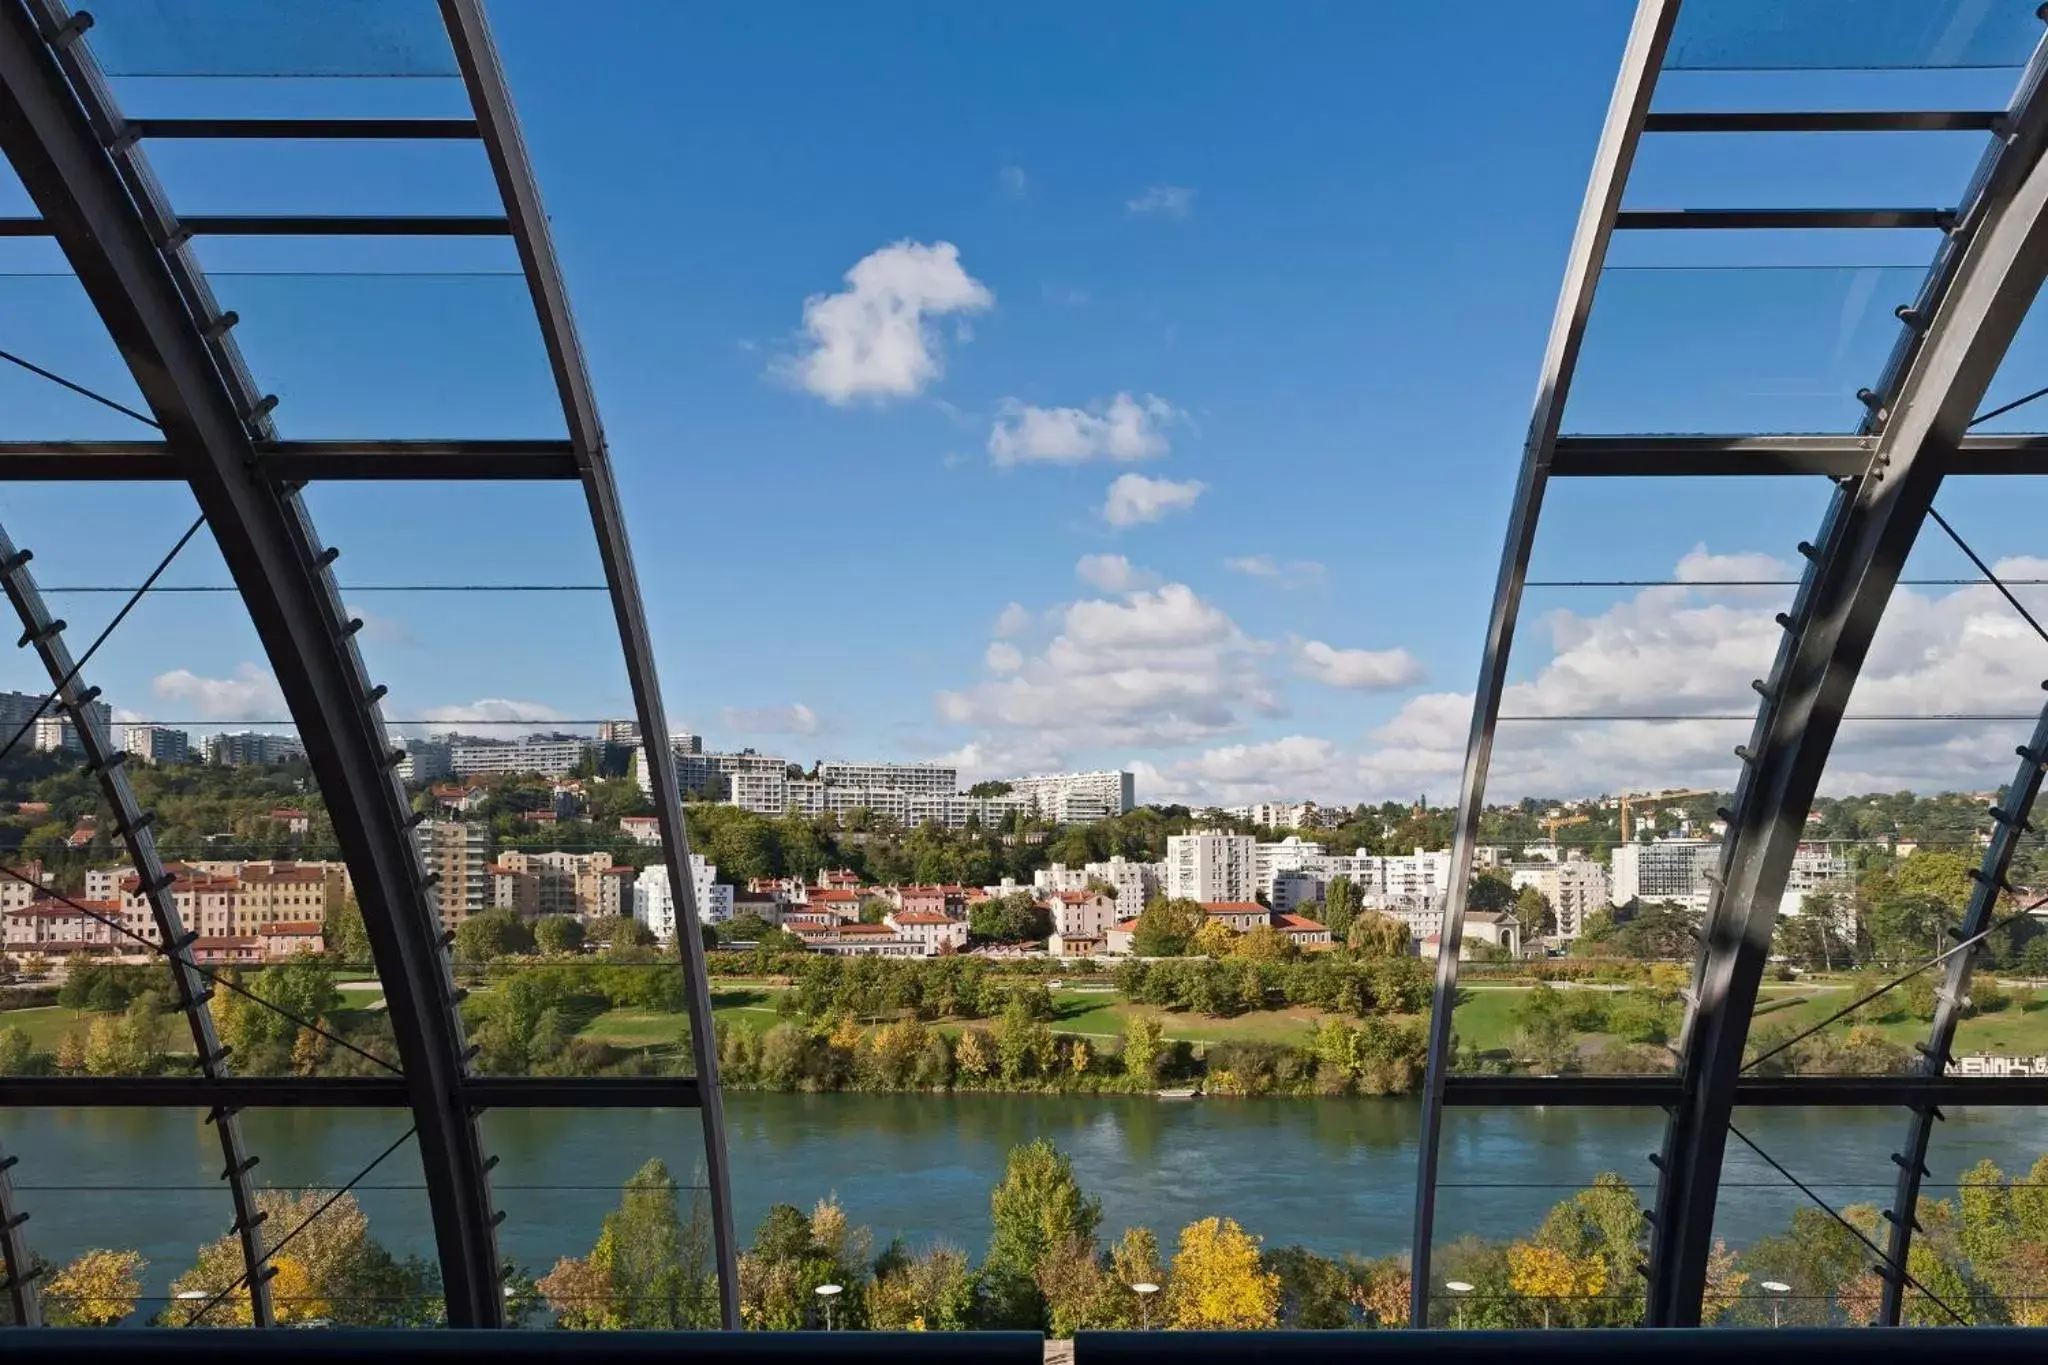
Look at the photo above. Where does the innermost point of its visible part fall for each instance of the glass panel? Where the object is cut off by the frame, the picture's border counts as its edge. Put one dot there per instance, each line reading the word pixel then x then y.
pixel 2021 375
pixel 261 38
pixel 1729 350
pixel 385 356
pixel 317 176
pixel 47 320
pixel 1945 89
pixel 1838 34
pixel 182 96
pixel 1539 1216
pixel 1802 170
pixel 1985 1240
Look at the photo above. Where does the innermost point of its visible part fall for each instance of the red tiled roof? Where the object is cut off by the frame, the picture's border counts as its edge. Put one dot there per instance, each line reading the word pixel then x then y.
pixel 295 929
pixel 1299 924
pixel 835 896
pixel 1079 897
pixel 1233 907
pixel 858 929
pixel 1129 926
pixel 923 917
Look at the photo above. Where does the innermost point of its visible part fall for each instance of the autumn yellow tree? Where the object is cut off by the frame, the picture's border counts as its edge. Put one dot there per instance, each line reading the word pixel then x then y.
pixel 1217 1282
pixel 1552 1277
pixel 974 1055
pixel 1724 1282
pixel 97 1290
pixel 1214 939
pixel 1380 1290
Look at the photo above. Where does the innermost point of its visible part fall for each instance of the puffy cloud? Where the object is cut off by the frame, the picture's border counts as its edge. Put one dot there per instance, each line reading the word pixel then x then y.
pixel 1698 565
pixel 250 693
pixel 794 719
pixel 1295 573
pixel 1124 429
pixel 1289 768
pixel 488 709
pixel 1167 201
pixel 1113 573
pixel 1013 620
pixel 1135 500
pixel 1355 668
pixel 1003 657
pixel 1011 756
pixel 874 339
pixel 1158 666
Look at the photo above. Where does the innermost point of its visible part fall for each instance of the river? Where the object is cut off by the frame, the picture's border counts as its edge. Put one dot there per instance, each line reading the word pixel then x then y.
pixel 1333 1175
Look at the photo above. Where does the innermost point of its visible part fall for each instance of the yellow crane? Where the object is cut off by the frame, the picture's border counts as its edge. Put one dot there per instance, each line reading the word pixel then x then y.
pixel 1558 822
pixel 1647 799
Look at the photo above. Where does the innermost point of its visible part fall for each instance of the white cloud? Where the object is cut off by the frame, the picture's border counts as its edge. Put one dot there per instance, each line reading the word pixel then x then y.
pixel 250 693
pixel 1698 565
pixel 1169 201
pixel 1015 183
pixel 1003 657
pixel 1371 669
pixel 1113 573
pixel 1289 768
pixel 1124 429
pixel 1295 573
pixel 1011 756
pixel 486 709
pixel 1135 500
pixel 1012 620
pixel 794 719
pixel 1156 667
pixel 874 339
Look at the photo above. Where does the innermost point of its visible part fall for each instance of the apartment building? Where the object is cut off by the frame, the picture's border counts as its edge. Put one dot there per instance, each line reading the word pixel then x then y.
pixel 654 902
pixel 457 853
pixel 1667 870
pixel 1278 814
pixel 551 755
pixel 1077 797
pixel 1208 866
pixel 1292 854
pixel 54 926
pixel 586 885
pixel 53 731
pixel 1082 914
pixel 1817 868
pixel 928 779
pixel 156 743
pixel 425 761
pixel 934 932
pixel 24 883
pixel 252 748
pixel 1575 889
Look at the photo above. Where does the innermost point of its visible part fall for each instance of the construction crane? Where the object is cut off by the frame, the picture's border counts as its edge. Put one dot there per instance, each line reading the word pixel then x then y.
pixel 1647 799
pixel 1558 822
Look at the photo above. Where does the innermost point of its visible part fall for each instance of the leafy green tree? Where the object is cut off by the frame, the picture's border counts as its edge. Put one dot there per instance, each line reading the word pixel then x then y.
pixel 345 937
pixel 1340 905
pixel 1375 935
pixel 1315 1291
pixel 491 935
pixel 929 1292
pixel 1015 918
pixel 1038 1206
pixel 618 931
pixel 1167 928
pixel 1490 892
pixel 652 1267
pixel 558 934
pixel 17 1053
pixel 1533 914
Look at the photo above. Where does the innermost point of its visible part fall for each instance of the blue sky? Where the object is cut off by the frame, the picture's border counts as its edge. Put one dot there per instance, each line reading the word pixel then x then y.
pixel 883 303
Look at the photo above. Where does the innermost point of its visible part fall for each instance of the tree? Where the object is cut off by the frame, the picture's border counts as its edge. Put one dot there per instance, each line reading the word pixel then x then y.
pixel 1553 1277
pixel 1376 935
pixel 98 1289
pixel 1315 1291
pixel 1490 892
pixel 651 1268
pixel 1214 939
pixel 1015 918
pixel 333 1269
pixel 1340 904
pixel 1218 1283
pixel 1038 1206
pixel 558 934
pixel 17 1052
pixel 491 935
pixel 618 931
pixel 933 1292
pixel 988 789
pixel 1533 914
pixel 1144 1039
pixel 1166 928
pixel 344 936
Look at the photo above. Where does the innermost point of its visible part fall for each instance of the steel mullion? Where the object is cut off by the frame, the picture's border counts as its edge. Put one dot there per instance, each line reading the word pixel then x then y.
pixel 476 53
pixel 15 1257
pixel 1873 520
pixel 46 635
pixel 1642 58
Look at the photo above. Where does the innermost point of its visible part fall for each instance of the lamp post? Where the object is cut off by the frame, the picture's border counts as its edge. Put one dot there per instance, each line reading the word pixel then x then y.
pixel 828 1292
pixel 1145 1290
pixel 1461 1289
pixel 1777 1289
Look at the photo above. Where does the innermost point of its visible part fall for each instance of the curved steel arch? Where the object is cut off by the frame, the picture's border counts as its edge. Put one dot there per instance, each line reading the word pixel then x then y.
pixel 1999 265
pixel 477 55
pixel 2010 816
pixel 58 128
pixel 1643 57
pixel 105 763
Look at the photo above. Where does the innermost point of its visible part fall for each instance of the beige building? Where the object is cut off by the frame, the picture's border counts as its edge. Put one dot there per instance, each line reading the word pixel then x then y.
pixel 1082 914
pixel 587 885
pixel 458 853
pixel 933 931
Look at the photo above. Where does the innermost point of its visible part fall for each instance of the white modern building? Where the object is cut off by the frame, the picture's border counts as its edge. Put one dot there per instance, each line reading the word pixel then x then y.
pixel 1291 854
pixel 654 901
pixel 1076 797
pixel 251 747
pixel 1208 866
pixel 425 761
pixel 1575 889
pixel 927 779
pixel 1278 814
pixel 158 743
pixel 548 755
pixel 1667 870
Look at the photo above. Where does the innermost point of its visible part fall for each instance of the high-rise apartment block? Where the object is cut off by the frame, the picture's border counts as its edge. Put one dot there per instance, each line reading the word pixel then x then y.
pixel 156 743
pixel 458 854
pixel 1207 866
pixel 252 747
pixel 1076 797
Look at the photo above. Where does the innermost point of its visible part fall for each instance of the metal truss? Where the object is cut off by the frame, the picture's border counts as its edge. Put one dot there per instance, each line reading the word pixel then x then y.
pixel 2010 821
pixel 1977 295
pixel 25 1305
pixel 94 194
pixel 477 55
pixel 45 634
pixel 1630 105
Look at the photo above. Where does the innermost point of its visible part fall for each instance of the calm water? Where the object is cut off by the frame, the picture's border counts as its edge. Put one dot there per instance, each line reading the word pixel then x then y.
pixel 1334 1175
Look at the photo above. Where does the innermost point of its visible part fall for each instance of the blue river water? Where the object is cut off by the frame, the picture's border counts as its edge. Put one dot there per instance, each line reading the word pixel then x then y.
pixel 1332 1175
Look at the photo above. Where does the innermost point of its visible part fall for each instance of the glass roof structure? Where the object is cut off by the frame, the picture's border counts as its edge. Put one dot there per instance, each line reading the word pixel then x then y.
pixel 1884 316
pixel 214 187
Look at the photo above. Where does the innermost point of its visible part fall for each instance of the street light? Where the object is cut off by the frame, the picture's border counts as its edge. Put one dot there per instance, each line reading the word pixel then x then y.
pixel 1460 1288
pixel 828 1292
pixel 1777 1289
pixel 1145 1291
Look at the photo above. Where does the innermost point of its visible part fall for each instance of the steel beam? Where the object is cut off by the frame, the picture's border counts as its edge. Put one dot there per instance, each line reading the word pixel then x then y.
pixel 25 1308
pixel 2008 824
pixel 306 225
pixel 1640 62
pixel 57 127
pixel 1827 121
pixel 342 1092
pixel 45 634
pixel 477 54
pixel 1835 457
pixel 305 129
pixel 289 461
pixel 1973 311
pixel 1724 220
pixel 1751 1092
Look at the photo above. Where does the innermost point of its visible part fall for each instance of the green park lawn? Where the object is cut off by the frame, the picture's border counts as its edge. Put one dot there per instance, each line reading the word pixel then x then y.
pixel 47 1024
